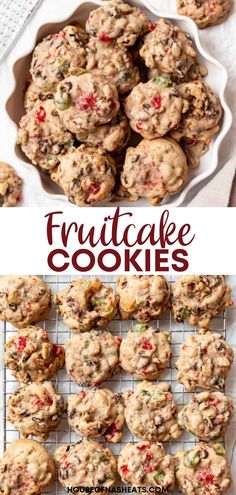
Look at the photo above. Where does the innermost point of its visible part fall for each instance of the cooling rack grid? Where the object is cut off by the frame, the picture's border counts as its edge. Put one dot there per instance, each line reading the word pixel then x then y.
pixel 120 382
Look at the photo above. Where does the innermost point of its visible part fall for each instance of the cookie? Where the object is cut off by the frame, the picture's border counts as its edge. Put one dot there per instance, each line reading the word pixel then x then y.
pixel 86 304
pixel 86 174
pixel 86 463
pixel 154 169
pixel 34 95
pixel 204 361
pixel 168 49
pixel 35 409
pixel 24 299
pixel 154 108
pixel 145 352
pixel 85 101
pixel 114 61
pixel 32 357
pixel 198 298
pixel 201 113
pixel 92 357
pixel 202 470
pixel 43 137
pixel 111 137
pixel 193 151
pixel 146 464
pixel 26 468
pixel 142 297
pixel 10 185
pixel 117 21
pixel 150 412
pixel 207 415
pixel 96 413
pixel 58 56
pixel 204 12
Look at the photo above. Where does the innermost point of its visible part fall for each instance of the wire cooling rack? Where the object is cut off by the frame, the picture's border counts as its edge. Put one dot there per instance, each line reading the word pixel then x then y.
pixel 120 382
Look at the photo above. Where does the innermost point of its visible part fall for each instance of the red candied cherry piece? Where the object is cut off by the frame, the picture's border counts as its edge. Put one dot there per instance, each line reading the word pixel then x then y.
pixel 20 343
pixel 41 114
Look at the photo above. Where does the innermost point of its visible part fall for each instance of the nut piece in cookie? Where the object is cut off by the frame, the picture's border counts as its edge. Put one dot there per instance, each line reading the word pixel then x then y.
pixel 85 101
pixel 168 49
pixel 198 298
pixel 10 186
pixel 24 299
pixel 86 463
pixel 154 169
pixel 150 412
pixel 204 12
pixel 42 135
pixel 207 415
pixel 201 112
pixel 202 470
pixel 32 357
pixel 146 464
pixel 145 352
pixel 154 108
pixel 142 297
pixel 59 56
pixel 116 20
pixel 96 413
pixel 26 467
pixel 92 357
pixel 86 304
pixel 114 61
pixel 36 409
pixel 204 361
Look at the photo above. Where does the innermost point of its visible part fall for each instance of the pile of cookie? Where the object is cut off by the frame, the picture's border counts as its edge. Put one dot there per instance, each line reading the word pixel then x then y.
pixel 118 109
pixel 94 355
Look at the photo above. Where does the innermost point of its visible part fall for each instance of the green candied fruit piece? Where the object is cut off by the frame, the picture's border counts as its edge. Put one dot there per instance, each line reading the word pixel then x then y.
pixel 109 476
pixel 98 457
pixel 159 475
pixel 62 100
pixel 218 447
pixel 145 392
pixel 192 459
pixel 163 81
pixel 126 76
pixel 139 327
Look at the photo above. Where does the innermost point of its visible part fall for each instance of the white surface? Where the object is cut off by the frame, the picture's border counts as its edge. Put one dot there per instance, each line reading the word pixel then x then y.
pixel 58 332
pixel 34 194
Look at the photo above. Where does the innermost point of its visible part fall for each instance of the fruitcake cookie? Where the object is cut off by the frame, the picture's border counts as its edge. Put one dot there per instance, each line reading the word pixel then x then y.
pixel 153 108
pixel 202 470
pixel 58 56
pixel 110 137
pixel 146 464
pixel 145 352
pixel 92 357
pixel 86 463
pixel 36 409
pixel 24 299
pixel 204 361
pixel 86 101
pixel 116 20
pixel 26 468
pixel 34 95
pixel 86 174
pixel 193 150
pixel 207 415
pixel 94 413
pixel 168 49
pixel 114 61
pixel 201 113
pixel 86 304
pixel 197 298
pixel 10 185
pixel 32 357
pixel 42 135
pixel 154 169
pixel 142 297
pixel 205 13
pixel 150 412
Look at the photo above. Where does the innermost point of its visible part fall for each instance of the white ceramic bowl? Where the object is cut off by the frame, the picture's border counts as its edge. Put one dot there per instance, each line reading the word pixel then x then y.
pixel 44 190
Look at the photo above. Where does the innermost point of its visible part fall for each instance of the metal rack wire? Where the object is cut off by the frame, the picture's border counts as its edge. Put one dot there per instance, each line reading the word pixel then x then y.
pixel 58 333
